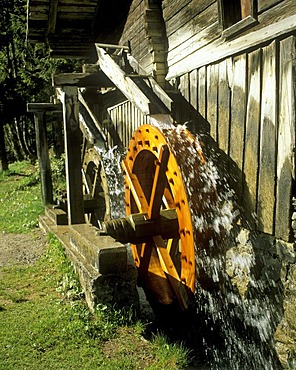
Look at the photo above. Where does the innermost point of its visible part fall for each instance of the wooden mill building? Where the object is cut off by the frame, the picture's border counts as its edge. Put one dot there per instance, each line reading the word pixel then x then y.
pixel 232 64
pixel 229 69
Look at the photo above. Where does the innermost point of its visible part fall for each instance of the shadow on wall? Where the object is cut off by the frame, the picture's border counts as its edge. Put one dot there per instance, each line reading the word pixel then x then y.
pixel 239 292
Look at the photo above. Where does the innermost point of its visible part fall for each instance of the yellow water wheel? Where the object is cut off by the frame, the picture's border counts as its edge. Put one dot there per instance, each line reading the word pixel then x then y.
pixel 159 168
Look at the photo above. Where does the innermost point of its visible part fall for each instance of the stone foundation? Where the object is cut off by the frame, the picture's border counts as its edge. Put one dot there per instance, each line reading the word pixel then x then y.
pixel 262 271
pixel 106 274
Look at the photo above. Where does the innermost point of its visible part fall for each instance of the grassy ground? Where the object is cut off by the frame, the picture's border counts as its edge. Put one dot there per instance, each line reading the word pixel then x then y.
pixel 44 321
pixel 20 198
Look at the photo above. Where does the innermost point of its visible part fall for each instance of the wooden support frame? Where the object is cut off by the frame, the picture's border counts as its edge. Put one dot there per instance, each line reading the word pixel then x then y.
pixel 97 79
pixel 52 17
pixel 39 110
pixel 146 97
pixel 73 141
pixel 44 107
pixel 43 158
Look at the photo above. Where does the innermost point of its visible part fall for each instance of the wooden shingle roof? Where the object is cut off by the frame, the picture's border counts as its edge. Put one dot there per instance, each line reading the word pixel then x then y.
pixel 71 27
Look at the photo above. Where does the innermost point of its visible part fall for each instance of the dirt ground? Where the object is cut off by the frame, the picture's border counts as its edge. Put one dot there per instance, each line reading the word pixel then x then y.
pixel 21 248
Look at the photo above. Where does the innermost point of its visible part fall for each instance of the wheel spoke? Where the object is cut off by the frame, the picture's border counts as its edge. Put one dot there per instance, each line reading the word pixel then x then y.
pixel 167 198
pixel 85 182
pixel 172 246
pixel 135 188
pixel 159 183
pixel 171 272
pixel 94 182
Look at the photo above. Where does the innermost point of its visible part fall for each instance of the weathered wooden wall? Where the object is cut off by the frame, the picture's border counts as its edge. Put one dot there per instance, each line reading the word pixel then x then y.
pixel 194 31
pixel 243 89
pixel 249 102
pixel 145 31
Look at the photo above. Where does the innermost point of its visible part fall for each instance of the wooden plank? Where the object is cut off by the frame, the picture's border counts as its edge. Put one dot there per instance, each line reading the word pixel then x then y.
pixel 218 49
pixel 123 83
pixel 172 8
pixel 186 14
pixel 194 26
pixel 135 4
pixel 44 107
pixel 238 112
pixel 94 125
pixel 52 17
pixel 194 43
pixel 223 106
pixel 212 98
pixel 202 92
pixel 266 4
pixel 184 86
pixel 67 10
pixel 251 152
pixel 73 140
pixel 98 79
pixel 133 26
pixel 179 19
pixel 286 139
pixel 183 109
pixel 161 94
pixel 193 88
pixel 267 164
pixel 78 2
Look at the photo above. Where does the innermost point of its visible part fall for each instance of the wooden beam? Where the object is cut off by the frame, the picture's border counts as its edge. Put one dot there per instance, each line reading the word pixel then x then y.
pixel 161 94
pixel 98 79
pixel 73 140
pixel 43 158
pixel 52 16
pixel 125 84
pixel 44 107
pixel 268 139
pixel 286 138
pixel 78 46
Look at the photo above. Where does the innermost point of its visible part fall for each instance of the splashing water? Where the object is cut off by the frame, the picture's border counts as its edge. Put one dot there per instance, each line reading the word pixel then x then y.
pixel 237 304
pixel 235 315
pixel 111 160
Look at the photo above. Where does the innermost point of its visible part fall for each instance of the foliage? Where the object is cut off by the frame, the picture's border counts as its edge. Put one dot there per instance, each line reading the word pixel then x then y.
pixel 20 201
pixel 58 175
pixel 25 76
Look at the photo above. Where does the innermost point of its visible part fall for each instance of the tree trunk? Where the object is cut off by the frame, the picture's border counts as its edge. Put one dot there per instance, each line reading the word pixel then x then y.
pixel 12 139
pixel 3 154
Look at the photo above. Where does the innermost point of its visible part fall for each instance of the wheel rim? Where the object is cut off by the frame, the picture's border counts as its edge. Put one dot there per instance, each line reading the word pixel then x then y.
pixel 95 188
pixel 153 181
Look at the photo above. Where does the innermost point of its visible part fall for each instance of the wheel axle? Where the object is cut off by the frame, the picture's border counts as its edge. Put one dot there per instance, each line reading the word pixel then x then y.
pixel 137 228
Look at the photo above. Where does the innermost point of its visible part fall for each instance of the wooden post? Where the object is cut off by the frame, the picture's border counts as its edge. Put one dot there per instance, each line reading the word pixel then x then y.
pixel 73 140
pixel 43 157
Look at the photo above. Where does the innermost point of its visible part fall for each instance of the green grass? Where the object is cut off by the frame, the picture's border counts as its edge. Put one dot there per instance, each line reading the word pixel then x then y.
pixel 44 320
pixel 20 198
pixel 45 324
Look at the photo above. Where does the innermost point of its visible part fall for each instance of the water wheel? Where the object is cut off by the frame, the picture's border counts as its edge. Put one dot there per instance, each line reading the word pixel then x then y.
pixel 169 196
pixel 95 188
pixel 160 197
